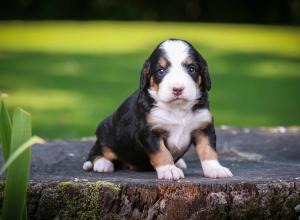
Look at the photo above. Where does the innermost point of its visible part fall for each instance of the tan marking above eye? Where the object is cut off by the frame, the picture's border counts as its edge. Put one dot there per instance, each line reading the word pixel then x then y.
pixel 203 148
pixel 153 85
pixel 188 61
pixel 163 62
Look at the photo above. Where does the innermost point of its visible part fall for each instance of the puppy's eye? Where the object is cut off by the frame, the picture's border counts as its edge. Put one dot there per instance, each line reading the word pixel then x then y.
pixel 161 71
pixel 191 69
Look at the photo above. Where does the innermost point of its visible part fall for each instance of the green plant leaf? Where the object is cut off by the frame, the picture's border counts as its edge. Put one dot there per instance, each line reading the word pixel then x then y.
pixel 0 119
pixel 18 172
pixel 25 215
pixel 19 151
pixel 5 130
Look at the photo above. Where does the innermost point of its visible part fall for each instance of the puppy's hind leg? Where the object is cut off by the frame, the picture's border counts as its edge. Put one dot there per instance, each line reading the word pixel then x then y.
pixel 94 152
pixel 100 159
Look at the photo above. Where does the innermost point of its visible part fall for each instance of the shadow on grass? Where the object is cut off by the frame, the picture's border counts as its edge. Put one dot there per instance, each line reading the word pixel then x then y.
pixel 69 94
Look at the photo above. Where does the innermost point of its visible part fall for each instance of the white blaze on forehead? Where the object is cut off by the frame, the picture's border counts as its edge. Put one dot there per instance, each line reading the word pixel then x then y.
pixel 176 50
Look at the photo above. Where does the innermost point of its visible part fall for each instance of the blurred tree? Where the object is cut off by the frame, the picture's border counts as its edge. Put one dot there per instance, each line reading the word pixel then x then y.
pixel 238 11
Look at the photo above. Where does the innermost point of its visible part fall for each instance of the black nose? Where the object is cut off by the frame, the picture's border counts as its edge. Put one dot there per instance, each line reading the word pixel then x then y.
pixel 177 91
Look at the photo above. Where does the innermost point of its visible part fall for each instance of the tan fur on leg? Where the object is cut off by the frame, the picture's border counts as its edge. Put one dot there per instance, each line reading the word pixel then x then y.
pixel 209 158
pixel 163 163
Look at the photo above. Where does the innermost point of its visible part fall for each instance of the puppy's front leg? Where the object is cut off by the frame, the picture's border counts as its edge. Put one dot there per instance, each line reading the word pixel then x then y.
pixel 163 163
pixel 205 142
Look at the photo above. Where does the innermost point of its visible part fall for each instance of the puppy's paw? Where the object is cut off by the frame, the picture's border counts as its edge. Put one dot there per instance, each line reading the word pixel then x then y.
pixel 103 165
pixel 181 164
pixel 87 166
pixel 213 169
pixel 169 172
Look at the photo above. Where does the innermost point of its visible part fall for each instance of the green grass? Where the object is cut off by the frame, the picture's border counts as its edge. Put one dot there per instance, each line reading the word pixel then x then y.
pixel 70 75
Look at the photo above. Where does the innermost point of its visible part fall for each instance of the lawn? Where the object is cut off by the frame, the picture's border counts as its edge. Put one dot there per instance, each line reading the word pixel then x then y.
pixel 70 75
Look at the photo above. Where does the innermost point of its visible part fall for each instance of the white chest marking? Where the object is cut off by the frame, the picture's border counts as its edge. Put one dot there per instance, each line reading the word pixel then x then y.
pixel 179 124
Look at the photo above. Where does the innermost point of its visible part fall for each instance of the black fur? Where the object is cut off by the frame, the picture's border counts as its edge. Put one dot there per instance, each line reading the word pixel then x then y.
pixel 127 133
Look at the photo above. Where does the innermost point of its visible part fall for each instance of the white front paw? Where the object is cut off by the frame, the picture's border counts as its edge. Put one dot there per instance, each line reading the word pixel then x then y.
pixel 103 165
pixel 213 169
pixel 181 164
pixel 169 172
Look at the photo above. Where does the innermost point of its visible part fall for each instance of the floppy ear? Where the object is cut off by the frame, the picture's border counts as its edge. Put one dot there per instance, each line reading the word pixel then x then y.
pixel 145 76
pixel 206 77
pixel 144 100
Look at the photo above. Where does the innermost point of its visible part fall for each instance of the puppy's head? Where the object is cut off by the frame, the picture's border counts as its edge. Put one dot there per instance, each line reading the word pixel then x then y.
pixel 175 73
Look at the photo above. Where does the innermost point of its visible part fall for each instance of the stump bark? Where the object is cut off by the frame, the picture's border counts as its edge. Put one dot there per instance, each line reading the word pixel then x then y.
pixel 266 182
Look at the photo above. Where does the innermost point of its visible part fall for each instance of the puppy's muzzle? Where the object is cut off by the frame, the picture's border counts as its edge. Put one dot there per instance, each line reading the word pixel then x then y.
pixel 177 91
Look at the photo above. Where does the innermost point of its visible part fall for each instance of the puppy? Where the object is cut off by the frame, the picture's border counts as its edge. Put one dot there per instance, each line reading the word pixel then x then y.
pixel 157 124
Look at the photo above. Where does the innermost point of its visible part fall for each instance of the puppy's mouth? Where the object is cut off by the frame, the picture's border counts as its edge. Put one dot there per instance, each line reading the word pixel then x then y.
pixel 177 99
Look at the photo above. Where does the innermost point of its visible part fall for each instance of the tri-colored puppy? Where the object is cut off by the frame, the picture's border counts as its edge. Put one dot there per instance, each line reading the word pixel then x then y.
pixel 157 124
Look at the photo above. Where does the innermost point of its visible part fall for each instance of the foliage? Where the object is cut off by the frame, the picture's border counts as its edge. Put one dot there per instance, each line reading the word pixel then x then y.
pixel 270 11
pixel 70 75
pixel 15 139
pixel 5 130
